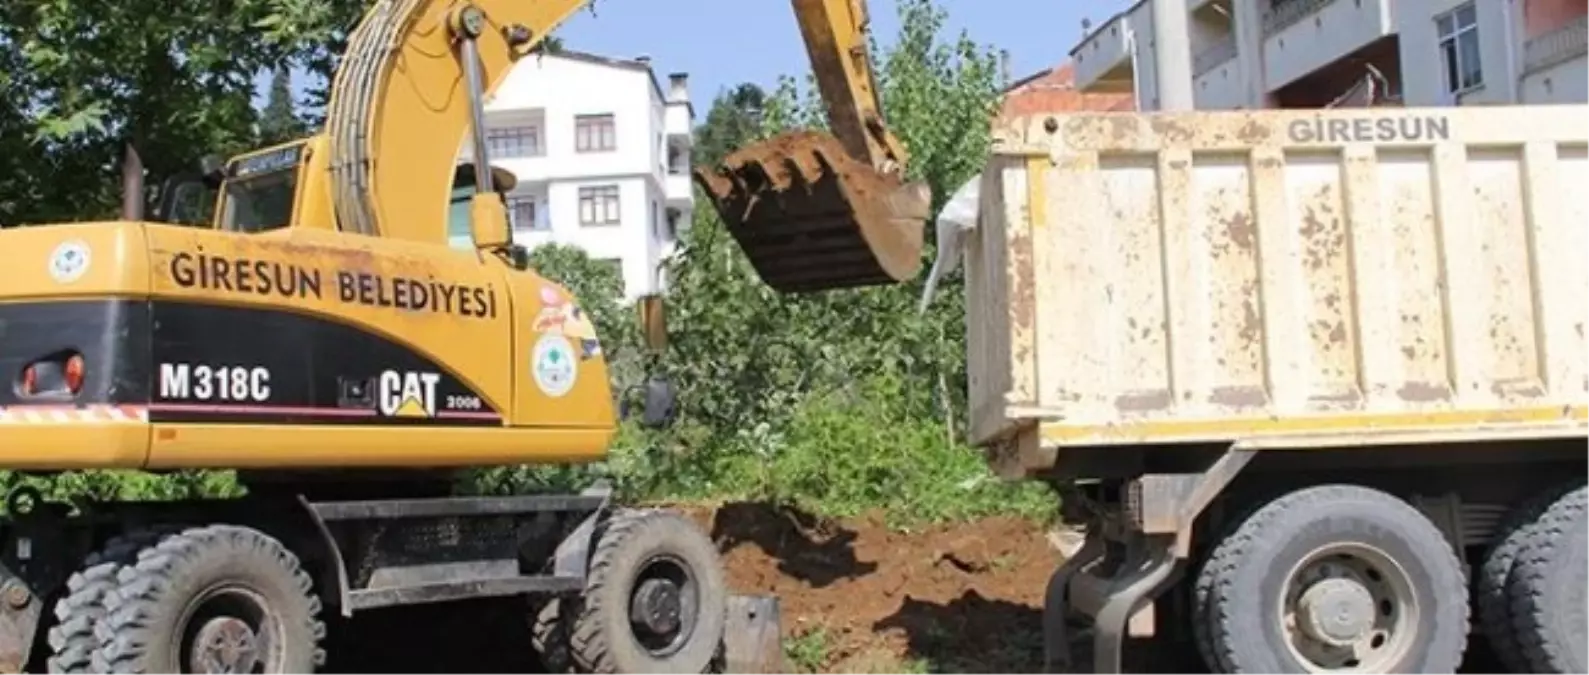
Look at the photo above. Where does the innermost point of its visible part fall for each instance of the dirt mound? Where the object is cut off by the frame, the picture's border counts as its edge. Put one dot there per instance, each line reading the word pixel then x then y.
pixel 857 596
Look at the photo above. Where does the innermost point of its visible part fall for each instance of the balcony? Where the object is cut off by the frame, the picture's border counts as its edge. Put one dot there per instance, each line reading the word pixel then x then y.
pixel 678 189
pixel 1560 45
pixel 1217 77
pixel 676 121
pixel 1302 36
pixel 1102 60
pixel 1214 56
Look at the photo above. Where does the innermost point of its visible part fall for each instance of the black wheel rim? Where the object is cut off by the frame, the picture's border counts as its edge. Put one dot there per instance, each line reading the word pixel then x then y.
pixel 228 628
pixel 663 602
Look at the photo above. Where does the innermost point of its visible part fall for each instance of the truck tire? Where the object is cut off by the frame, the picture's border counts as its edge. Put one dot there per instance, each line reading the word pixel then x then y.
pixel 220 586
pixel 1490 599
pixel 72 639
pixel 1547 588
pixel 655 564
pixel 1313 574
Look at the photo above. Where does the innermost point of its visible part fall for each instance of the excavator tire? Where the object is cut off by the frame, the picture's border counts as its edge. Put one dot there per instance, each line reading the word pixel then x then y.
pixel 71 639
pixel 811 218
pixel 220 598
pixel 655 600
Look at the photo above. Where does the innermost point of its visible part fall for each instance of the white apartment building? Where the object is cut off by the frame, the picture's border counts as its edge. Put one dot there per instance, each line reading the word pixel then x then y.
pixel 601 153
pixel 1306 53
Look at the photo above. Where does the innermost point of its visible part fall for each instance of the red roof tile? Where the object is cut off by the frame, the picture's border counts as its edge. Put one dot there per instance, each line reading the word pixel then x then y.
pixel 1054 91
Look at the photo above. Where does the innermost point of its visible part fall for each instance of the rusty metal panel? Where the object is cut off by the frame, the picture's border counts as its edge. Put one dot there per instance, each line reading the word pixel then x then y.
pixel 1242 276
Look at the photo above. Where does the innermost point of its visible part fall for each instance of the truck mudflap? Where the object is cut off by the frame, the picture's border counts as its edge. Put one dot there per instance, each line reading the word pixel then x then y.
pixel 1128 559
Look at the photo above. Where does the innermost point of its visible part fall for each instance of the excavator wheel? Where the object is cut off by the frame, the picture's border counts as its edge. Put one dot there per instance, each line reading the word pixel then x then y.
pixel 812 218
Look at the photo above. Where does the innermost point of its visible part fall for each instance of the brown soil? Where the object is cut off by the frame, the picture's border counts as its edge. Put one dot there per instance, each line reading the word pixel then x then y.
pixel 863 597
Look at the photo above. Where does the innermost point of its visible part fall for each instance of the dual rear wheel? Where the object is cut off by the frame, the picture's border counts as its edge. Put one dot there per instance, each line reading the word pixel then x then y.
pixel 1530 585
pixel 215 599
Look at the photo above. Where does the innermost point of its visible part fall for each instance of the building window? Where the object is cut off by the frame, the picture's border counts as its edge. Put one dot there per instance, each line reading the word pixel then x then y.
pixel 513 142
pixel 1459 48
pixel 598 205
pixel 656 221
pixel 521 213
pixel 673 224
pixel 678 161
pixel 595 133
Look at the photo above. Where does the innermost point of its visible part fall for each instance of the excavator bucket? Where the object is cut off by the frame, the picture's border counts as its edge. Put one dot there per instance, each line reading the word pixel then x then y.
pixel 812 218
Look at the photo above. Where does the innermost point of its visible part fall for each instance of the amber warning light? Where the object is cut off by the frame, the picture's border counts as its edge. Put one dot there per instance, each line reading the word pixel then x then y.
pixel 62 374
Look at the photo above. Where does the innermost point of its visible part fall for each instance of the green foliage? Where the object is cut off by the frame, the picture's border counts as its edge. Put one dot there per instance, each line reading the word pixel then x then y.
pixel 117 485
pixel 174 78
pixel 279 122
pixel 735 117
pixel 787 397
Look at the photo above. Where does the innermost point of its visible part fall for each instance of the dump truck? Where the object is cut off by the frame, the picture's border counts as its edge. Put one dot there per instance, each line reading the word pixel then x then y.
pixel 351 326
pixel 1313 381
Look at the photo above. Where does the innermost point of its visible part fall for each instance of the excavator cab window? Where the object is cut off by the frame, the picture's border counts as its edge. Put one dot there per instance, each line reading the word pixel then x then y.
pixel 463 187
pixel 260 189
pixel 458 235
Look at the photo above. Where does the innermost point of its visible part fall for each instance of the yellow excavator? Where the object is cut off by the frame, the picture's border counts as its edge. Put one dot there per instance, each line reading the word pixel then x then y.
pixel 323 339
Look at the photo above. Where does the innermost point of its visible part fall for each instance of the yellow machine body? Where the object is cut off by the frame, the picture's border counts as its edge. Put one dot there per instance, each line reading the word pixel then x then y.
pixel 358 302
pixel 299 346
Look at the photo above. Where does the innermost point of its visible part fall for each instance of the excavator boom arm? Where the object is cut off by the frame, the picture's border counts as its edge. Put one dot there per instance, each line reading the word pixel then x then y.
pixel 812 211
pixel 400 105
pixel 835 37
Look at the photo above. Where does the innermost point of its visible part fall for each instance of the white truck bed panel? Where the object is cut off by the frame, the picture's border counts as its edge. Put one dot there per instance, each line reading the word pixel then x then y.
pixel 1240 276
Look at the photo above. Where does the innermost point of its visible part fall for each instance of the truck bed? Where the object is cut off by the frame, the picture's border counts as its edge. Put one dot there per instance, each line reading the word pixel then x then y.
pixel 1283 277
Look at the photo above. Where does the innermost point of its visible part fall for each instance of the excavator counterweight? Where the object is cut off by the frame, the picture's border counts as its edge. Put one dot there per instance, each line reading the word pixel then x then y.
pixel 810 218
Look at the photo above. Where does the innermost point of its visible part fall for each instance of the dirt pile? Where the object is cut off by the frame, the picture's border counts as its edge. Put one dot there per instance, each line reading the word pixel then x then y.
pixel 857 596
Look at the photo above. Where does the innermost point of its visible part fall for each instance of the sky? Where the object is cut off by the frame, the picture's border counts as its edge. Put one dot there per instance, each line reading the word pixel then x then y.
pixel 693 36
pixel 1037 33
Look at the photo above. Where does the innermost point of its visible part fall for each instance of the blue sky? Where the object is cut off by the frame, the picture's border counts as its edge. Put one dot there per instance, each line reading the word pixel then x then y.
pixel 1037 33
pixel 693 36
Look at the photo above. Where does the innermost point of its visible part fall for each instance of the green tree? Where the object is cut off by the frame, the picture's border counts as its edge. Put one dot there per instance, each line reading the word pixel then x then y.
pixel 735 117
pixel 85 78
pixel 279 121
pixel 829 397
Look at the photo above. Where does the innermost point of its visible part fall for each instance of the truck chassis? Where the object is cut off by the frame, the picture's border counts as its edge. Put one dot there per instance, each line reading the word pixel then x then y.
pixel 1388 559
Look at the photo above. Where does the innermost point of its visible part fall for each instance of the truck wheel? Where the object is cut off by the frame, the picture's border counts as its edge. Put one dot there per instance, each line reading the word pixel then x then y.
pixel 1547 588
pixel 655 600
pixel 1490 598
pixel 1337 576
pixel 213 599
pixel 72 638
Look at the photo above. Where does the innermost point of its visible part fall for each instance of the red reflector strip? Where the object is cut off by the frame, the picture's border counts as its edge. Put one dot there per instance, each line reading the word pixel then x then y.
pixel 66 414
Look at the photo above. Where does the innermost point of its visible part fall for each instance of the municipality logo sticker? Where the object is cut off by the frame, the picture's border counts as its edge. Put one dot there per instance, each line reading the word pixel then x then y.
pixel 555 367
pixel 69 261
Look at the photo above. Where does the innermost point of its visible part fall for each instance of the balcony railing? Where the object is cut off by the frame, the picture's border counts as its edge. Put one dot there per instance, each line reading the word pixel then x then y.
pixel 1284 13
pixel 1216 54
pixel 1565 43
